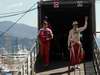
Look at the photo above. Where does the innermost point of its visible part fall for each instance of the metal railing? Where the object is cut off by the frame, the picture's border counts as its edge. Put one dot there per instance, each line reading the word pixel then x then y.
pixel 23 60
pixel 96 57
pixel 32 55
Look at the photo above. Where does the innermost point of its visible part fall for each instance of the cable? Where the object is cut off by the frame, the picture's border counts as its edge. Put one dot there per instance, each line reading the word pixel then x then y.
pixel 15 23
pixel 10 13
pixel 18 13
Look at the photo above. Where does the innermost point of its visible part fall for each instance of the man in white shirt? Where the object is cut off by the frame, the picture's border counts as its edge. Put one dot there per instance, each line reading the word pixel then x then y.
pixel 74 43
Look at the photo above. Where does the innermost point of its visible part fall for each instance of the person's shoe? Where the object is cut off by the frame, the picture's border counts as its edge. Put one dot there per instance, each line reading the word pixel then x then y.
pixel 77 67
pixel 72 68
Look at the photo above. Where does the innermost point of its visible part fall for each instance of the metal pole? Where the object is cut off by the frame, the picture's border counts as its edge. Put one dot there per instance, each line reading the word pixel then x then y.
pixel 31 63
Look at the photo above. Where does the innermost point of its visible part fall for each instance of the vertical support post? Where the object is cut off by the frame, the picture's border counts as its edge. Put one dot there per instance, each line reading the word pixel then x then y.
pixel 69 68
pixel 31 63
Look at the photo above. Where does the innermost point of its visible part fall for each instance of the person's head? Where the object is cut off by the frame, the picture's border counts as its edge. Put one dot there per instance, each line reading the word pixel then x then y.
pixel 45 24
pixel 75 24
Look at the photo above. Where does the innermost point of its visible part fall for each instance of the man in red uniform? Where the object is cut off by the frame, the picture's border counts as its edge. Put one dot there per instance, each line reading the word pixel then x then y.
pixel 45 36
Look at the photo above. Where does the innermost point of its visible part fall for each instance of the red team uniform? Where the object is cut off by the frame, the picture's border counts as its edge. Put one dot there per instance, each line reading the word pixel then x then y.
pixel 76 53
pixel 44 38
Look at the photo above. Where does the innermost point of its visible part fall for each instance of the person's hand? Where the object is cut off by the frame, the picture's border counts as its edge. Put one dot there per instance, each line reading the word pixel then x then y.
pixel 68 47
pixel 86 18
pixel 47 38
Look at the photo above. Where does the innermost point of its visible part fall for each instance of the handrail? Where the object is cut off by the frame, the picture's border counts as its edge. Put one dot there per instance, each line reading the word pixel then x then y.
pixel 31 55
pixel 35 51
pixel 96 56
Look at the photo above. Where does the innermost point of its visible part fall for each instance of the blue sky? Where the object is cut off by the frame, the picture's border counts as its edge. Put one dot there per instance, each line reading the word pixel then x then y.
pixel 7 6
pixel 98 15
pixel 30 18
